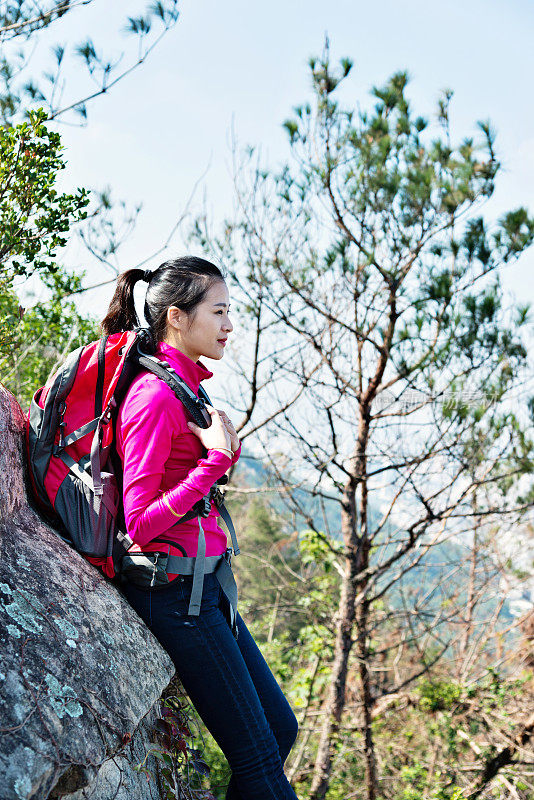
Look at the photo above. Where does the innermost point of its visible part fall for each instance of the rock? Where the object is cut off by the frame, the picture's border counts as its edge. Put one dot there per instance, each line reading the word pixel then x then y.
pixel 116 779
pixel 80 673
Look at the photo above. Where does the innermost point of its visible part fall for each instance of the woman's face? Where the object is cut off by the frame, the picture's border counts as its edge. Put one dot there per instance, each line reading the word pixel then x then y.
pixel 205 336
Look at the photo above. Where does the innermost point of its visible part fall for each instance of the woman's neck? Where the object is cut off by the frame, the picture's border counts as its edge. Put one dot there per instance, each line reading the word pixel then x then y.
pixel 181 347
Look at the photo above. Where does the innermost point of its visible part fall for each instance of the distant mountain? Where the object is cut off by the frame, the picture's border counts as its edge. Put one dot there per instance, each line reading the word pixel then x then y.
pixel 443 571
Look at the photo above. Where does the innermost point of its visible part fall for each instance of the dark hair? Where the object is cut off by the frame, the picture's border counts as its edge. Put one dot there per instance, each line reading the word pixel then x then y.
pixel 181 282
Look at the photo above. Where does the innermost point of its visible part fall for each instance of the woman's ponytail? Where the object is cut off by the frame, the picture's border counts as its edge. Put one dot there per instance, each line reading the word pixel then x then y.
pixel 122 315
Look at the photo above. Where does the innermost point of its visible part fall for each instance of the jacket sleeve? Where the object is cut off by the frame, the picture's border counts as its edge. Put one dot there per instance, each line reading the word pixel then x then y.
pixel 149 421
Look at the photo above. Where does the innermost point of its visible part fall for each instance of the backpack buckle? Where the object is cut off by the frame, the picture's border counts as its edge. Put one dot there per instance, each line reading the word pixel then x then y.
pixel 62 407
pixel 205 506
pixel 154 569
pixel 216 495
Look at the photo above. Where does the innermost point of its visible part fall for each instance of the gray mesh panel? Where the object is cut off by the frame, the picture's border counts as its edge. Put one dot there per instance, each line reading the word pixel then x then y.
pixel 90 520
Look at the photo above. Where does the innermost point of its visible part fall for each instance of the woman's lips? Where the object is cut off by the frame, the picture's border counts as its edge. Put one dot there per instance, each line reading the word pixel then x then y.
pixel 222 341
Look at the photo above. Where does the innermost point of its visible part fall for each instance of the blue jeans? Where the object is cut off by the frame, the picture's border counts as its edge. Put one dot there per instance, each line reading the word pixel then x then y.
pixel 228 682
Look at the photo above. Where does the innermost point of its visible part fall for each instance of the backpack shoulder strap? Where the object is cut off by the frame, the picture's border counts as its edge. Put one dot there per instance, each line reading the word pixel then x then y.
pixel 166 373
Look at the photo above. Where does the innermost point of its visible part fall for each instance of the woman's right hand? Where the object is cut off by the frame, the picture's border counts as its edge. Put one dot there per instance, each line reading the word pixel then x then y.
pixel 214 437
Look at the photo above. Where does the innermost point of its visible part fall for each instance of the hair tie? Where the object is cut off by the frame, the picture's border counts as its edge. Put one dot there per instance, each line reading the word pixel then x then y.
pixel 147 275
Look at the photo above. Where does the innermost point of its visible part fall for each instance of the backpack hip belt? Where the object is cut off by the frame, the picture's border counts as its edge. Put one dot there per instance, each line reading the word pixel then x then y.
pixel 149 569
pixel 150 566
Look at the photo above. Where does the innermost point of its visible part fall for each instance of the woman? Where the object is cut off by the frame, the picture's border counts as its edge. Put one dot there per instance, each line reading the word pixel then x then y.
pixel 164 475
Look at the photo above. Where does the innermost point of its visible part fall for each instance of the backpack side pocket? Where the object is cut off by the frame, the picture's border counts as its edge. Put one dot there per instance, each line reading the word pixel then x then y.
pixel 91 520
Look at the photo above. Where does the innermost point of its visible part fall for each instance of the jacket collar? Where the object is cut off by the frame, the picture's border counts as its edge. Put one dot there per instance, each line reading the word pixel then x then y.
pixel 192 372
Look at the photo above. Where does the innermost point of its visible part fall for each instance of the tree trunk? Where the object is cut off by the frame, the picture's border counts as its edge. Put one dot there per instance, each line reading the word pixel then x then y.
pixel 356 558
pixel 362 616
pixel 336 696
pixel 356 551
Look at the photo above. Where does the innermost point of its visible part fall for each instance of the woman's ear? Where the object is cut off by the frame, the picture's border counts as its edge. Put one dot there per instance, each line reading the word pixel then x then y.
pixel 175 318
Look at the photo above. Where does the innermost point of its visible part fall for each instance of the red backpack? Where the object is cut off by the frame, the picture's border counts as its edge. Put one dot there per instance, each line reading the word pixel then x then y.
pixel 74 468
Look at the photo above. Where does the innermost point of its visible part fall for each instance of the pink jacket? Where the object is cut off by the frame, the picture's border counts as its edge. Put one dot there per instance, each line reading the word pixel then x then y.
pixel 164 474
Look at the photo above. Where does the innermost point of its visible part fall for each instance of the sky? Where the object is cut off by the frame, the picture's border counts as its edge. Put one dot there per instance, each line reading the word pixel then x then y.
pixel 243 66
